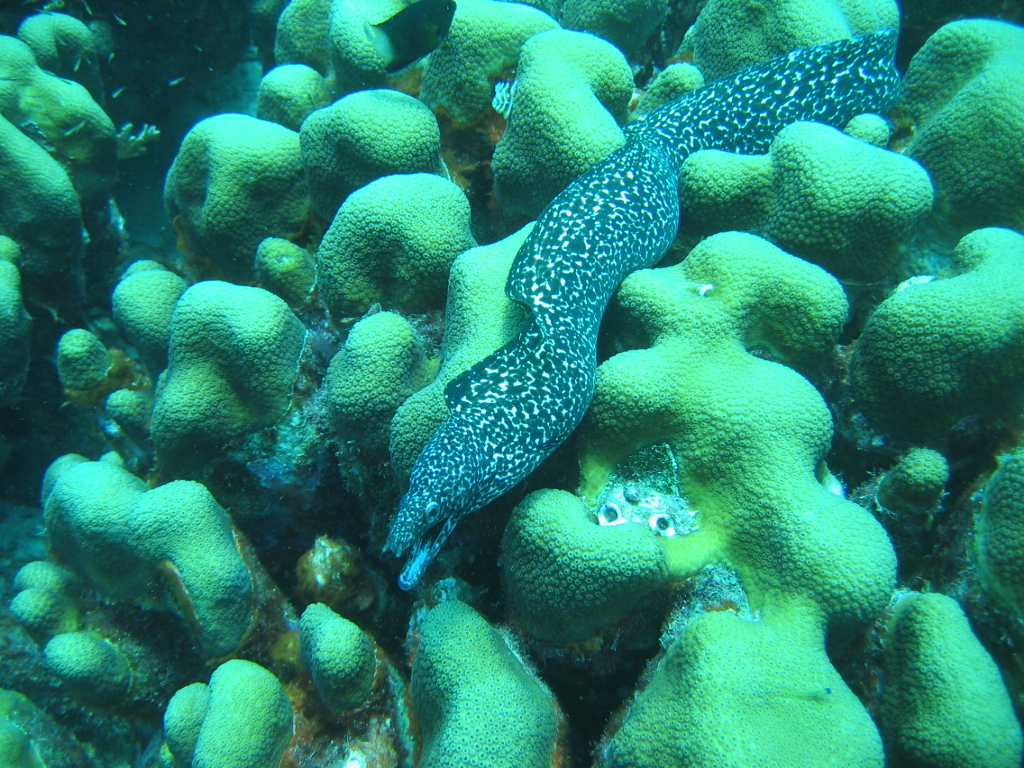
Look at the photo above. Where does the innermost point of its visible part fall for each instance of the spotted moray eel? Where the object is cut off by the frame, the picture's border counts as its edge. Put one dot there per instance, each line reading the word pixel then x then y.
pixel 512 409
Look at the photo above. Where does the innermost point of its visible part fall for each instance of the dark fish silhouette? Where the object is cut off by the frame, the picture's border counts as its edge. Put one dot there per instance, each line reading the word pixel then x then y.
pixel 411 33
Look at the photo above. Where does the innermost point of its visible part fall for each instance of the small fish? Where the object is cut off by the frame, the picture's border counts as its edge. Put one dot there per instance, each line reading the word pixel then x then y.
pixel 174 81
pixel 117 92
pixel 411 33
pixel 119 20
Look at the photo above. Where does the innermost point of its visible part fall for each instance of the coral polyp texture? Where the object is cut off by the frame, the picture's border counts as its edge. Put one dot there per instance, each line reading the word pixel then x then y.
pixel 362 137
pixel 936 353
pixel 818 193
pixel 392 242
pixel 464 673
pixel 733 33
pixel 122 538
pixel 235 181
pixel 341 658
pixel 233 359
pixel 1000 533
pixel 243 719
pixel 547 384
pixel 705 686
pixel 944 702
pixel 750 434
pixel 15 334
pixel 959 93
pixel 570 98
pixel 485 39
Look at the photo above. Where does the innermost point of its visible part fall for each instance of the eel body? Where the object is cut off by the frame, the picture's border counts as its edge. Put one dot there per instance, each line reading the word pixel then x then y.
pixel 512 409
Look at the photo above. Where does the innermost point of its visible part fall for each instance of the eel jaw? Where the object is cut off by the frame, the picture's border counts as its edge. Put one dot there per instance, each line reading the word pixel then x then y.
pixel 421 529
pixel 424 549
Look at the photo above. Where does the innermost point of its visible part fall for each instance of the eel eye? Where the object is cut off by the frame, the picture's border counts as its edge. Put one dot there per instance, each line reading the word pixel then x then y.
pixel 432 508
pixel 662 524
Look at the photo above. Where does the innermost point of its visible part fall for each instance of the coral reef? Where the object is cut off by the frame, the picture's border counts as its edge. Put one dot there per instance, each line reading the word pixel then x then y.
pixel 787 530
pixel 485 40
pixel 121 538
pixel 733 34
pixel 958 94
pixel 571 93
pixel 940 351
pixel 234 354
pixel 818 193
pixel 944 702
pixel 393 242
pixel 363 137
pixel 1000 534
pixel 243 721
pixel 15 334
pixel 340 657
pixel 235 181
pixel 463 672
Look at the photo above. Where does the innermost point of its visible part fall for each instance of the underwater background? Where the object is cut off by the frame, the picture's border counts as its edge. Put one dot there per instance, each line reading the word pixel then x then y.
pixel 255 254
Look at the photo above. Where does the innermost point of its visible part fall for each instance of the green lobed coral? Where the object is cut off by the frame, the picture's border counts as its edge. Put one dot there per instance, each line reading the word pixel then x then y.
pixel 244 721
pixel 999 533
pixel 234 355
pixel 827 197
pixel 15 334
pixel 916 484
pixel 393 241
pixel 41 213
pixel 17 749
pixel 183 718
pixel 62 114
pixel 143 303
pixel 121 538
pixel 873 129
pixel 627 24
pixel 235 181
pixel 962 92
pixel 132 411
pixel 365 136
pixel 484 40
pixel 44 599
pixel 289 93
pixel 731 693
pixel 66 47
pixel 381 364
pixel 566 577
pixel 340 657
pixel 731 34
pixel 82 360
pixel 749 435
pixel 302 35
pixel 671 83
pixel 570 97
pixel 935 353
pixel 944 704
pixel 286 270
pixel 92 667
pixel 476 702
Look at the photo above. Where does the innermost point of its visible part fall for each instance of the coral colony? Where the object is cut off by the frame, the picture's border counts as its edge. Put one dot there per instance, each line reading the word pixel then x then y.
pixel 712 315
